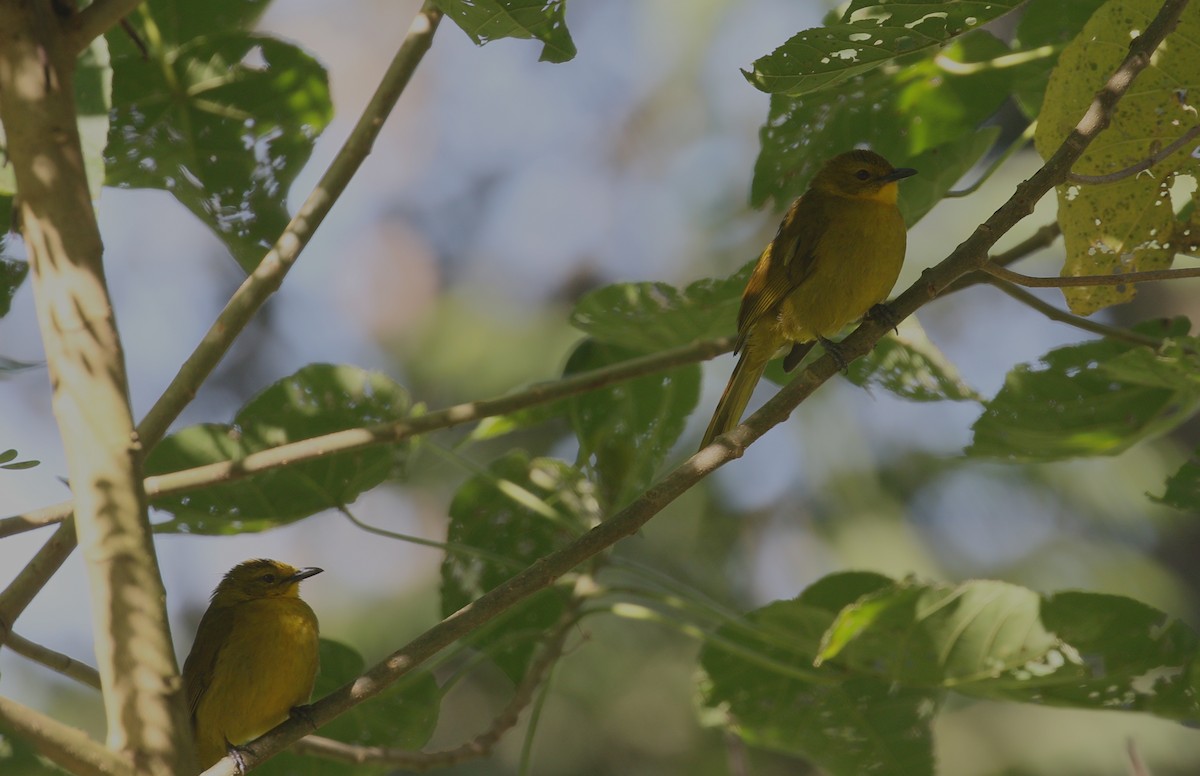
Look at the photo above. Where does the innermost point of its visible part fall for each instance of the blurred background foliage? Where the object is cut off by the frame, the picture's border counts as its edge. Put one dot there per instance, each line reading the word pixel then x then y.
pixel 472 256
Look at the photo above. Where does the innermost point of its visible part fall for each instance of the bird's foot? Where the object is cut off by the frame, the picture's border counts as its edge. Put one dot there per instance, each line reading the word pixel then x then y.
pixel 303 712
pixel 883 314
pixel 239 762
pixel 835 352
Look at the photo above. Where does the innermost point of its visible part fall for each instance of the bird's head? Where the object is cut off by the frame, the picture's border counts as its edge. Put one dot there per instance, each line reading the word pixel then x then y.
pixel 861 174
pixel 261 579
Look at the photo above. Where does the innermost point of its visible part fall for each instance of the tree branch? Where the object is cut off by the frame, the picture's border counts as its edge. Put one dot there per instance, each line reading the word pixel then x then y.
pixel 477 748
pixel 33 577
pixel 970 255
pixel 390 433
pixel 93 21
pixel 1141 166
pixel 1079 322
pixel 143 697
pixel 1075 281
pixel 268 276
pixel 67 746
pixel 57 661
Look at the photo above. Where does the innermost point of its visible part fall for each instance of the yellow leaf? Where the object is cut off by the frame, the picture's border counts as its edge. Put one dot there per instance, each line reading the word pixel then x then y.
pixel 1125 226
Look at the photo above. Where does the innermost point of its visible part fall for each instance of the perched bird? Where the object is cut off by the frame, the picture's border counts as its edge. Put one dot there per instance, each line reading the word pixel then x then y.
pixel 836 255
pixel 254 658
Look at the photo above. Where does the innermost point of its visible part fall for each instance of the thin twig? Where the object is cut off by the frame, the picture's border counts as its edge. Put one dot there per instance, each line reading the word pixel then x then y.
pixel 93 21
pixel 269 274
pixel 1079 322
pixel 32 578
pixel 390 433
pixel 479 747
pixel 1029 281
pixel 1141 166
pixel 1000 160
pixel 1030 245
pixel 57 661
pixel 65 745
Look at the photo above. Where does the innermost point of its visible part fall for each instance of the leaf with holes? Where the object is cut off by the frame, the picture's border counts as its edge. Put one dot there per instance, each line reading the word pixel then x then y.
pixel 869 35
pixel 648 317
pixel 1074 405
pixel 221 118
pixel 1124 226
pixel 760 672
pixel 488 20
pixel 921 111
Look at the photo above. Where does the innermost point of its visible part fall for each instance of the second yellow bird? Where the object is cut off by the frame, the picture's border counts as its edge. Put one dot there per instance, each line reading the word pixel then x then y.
pixel 254 658
pixel 836 255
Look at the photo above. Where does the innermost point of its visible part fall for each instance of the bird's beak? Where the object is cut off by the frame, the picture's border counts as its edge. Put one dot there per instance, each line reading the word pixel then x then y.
pixel 305 573
pixel 897 174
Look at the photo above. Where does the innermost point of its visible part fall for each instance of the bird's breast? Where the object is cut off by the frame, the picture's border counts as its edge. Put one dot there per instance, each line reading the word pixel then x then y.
pixel 858 259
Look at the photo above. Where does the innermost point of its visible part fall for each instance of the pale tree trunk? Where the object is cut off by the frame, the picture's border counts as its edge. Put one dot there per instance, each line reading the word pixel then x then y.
pixel 140 680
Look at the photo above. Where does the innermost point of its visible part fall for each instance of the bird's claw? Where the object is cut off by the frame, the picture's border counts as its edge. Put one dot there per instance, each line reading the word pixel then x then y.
pixel 303 712
pixel 239 761
pixel 883 314
pixel 835 352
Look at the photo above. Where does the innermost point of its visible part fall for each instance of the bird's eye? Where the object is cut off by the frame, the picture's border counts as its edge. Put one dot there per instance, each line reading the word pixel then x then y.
pixel 862 175
pixel 268 578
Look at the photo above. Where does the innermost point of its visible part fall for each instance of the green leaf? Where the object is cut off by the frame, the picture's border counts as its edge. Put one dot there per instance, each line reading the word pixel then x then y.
pixel 403 716
pixel 996 640
pixel 317 400
pixel 1132 657
pixel 1046 24
pixel 19 757
pixel 500 425
pixel 942 635
pixel 909 365
pixel 625 431
pixel 1122 226
pixel 921 111
pixel 870 34
pixel 1073 405
pixel 1183 487
pixel 12 275
pixel 905 363
pixel 648 317
pixel 846 724
pixel 221 118
pixel 488 20
pixel 514 513
pixel 939 169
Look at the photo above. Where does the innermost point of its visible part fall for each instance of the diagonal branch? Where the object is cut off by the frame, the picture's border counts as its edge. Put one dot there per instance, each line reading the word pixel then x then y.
pixel 57 661
pixel 478 747
pixel 969 256
pixel 95 20
pixel 67 746
pixel 270 272
pixel 1076 281
pixel 390 433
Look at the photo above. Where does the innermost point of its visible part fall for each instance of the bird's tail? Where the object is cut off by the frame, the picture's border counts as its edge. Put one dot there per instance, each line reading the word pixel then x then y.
pixel 746 375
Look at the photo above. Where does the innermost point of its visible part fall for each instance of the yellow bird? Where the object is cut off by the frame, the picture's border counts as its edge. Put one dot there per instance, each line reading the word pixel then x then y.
pixel 254 658
pixel 836 255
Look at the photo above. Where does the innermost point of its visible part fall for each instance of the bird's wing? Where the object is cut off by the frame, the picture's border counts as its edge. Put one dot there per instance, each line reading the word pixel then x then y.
pixel 210 637
pixel 784 264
